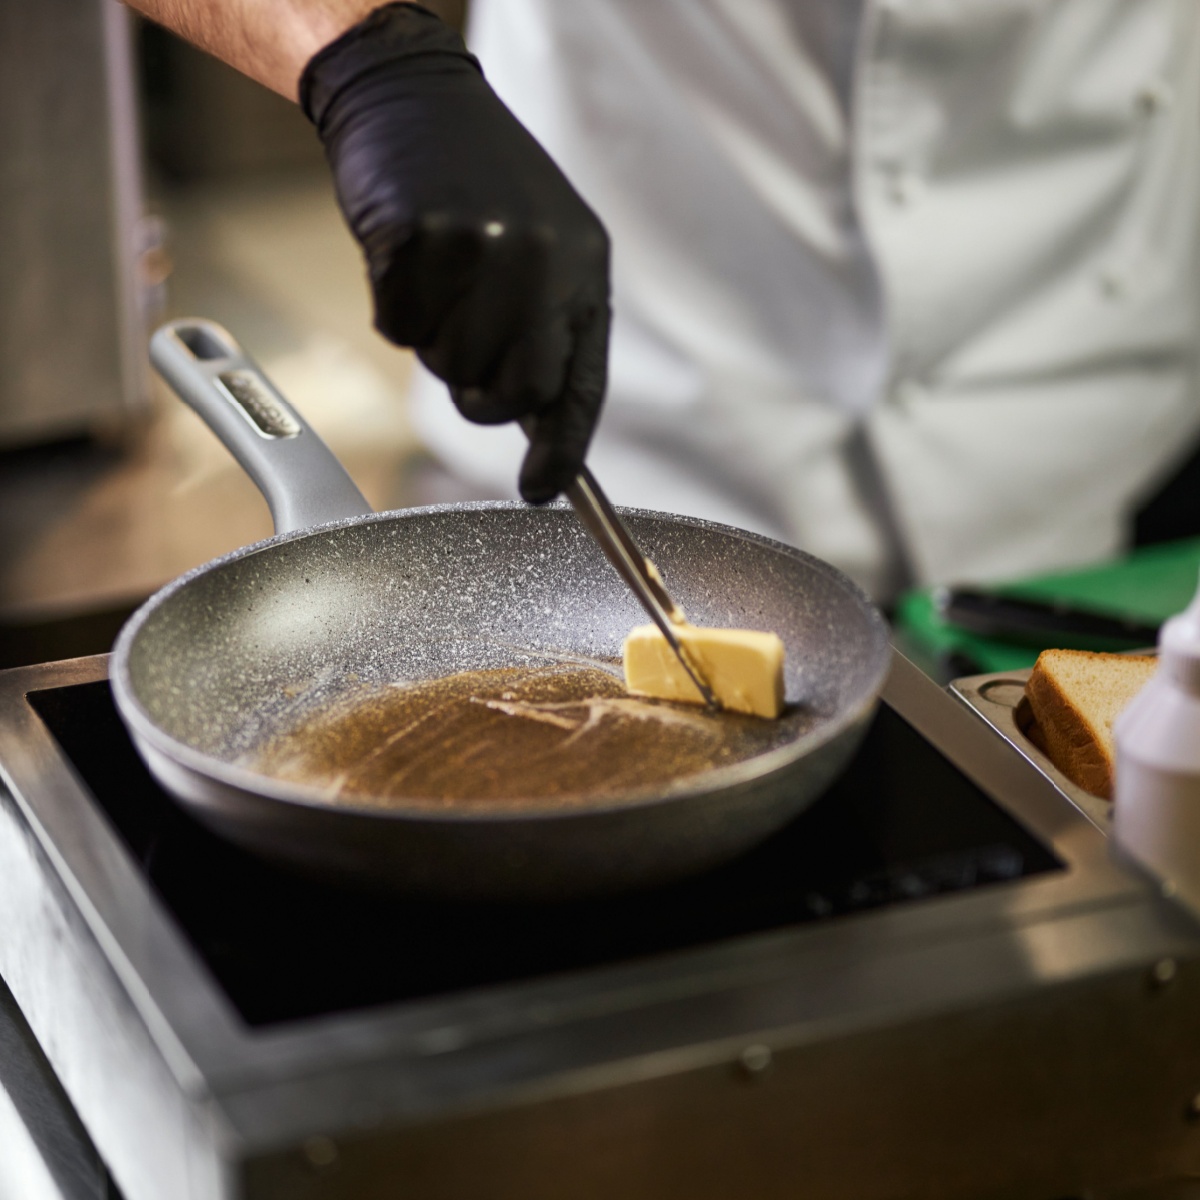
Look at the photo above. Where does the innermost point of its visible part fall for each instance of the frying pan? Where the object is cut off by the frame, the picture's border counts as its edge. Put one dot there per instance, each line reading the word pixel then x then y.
pixel 343 598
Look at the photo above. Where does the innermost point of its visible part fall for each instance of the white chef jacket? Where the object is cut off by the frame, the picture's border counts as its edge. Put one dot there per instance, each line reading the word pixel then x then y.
pixel 912 284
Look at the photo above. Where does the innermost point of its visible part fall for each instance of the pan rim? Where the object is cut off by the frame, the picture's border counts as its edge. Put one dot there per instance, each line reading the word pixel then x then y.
pixel 749 771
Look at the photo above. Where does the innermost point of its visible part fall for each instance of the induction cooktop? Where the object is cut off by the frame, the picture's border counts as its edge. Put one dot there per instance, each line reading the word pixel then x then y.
pixel 903 823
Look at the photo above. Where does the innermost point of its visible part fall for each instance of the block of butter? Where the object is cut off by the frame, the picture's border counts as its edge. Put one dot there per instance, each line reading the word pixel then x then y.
pixel 743 667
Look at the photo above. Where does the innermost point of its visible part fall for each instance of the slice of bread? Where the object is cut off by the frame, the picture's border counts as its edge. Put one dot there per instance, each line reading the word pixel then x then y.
pixel 1075 696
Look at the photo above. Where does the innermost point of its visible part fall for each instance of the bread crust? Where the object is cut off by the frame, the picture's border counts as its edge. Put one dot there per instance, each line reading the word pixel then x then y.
pixel 1071 741
pixel 1078 742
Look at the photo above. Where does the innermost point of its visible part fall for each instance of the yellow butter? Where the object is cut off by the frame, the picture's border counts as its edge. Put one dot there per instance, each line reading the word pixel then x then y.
pixel 743 667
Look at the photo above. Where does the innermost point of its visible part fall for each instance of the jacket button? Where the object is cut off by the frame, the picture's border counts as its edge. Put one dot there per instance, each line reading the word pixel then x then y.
pixel 1153 98
pixel 1111 284
pixel 903 186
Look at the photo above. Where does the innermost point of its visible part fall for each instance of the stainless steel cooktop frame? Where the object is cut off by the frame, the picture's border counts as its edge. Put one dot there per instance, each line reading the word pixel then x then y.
pixel 997 698
pixel 852 1057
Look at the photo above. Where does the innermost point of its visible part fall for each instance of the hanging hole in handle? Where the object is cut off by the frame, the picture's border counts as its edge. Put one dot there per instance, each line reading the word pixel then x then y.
pixel 204 343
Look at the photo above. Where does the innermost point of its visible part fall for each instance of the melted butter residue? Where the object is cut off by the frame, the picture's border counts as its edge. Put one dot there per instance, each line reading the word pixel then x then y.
pixel 547 736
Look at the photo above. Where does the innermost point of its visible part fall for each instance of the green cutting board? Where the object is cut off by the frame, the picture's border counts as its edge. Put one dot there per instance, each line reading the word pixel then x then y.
pixel 1149 585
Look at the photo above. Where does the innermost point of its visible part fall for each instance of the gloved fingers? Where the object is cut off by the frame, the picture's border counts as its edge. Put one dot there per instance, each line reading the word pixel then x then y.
pixel 428 273
pixel 502 297
pixel 530 376
pixel 561 432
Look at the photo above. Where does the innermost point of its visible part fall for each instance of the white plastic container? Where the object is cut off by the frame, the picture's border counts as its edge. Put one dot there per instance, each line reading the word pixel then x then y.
pixel 1156 810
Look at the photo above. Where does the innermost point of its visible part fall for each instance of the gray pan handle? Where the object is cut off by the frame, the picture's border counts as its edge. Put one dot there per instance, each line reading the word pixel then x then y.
pixel 297 473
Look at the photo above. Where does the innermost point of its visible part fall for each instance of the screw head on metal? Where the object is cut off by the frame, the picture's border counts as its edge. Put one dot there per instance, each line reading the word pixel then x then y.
pixel 755 1059
pixel 1163 972
pixel 320 1151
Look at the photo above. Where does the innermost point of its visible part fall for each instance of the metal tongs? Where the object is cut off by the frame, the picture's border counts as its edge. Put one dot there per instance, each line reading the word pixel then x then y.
pixel 600 519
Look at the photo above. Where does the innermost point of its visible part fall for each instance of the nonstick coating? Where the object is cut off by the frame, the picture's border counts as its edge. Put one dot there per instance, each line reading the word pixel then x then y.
pixel 246 645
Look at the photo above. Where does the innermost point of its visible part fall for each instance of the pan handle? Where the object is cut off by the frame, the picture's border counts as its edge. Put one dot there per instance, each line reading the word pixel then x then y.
pixel 297 473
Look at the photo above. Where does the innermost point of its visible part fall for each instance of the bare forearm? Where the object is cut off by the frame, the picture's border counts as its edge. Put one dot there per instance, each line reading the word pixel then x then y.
pixel 269 40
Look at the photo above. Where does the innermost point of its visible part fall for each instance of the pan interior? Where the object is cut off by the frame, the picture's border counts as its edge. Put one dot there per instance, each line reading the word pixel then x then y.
pixel 519 739
pixel 260 642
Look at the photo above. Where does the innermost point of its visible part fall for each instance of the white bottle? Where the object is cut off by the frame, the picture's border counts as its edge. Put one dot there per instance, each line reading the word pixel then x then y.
pixel 1156 810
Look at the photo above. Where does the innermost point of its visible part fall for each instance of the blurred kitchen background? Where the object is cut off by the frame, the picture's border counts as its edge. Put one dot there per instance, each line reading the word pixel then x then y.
pixel 141 180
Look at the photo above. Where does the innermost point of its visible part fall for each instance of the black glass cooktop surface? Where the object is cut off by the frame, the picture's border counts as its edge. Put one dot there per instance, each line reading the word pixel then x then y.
pixel 901 824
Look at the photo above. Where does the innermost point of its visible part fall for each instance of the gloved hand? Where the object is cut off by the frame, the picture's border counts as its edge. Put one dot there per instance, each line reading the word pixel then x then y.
pixel 480 253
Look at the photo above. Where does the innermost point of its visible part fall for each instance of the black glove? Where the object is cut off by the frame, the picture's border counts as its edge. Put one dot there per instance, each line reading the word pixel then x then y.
pixel 481 255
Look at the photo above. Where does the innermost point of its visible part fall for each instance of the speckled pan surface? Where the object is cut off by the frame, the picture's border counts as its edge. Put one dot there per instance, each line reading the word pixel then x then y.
pixel 243 646
pixel 247 645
